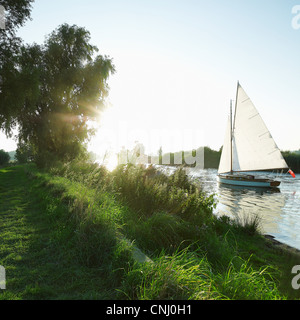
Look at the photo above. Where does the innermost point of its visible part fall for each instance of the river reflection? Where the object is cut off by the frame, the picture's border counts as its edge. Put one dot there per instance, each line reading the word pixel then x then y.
pixel 237 202
pixel 278 209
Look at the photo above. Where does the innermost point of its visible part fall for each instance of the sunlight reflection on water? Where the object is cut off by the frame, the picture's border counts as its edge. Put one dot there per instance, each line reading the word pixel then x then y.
pixel 279 210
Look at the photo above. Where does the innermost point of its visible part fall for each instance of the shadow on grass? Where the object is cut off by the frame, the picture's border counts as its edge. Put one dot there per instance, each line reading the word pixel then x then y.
pixel 39 245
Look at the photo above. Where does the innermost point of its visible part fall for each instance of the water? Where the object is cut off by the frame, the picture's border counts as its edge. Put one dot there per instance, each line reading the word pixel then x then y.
pixel 278 210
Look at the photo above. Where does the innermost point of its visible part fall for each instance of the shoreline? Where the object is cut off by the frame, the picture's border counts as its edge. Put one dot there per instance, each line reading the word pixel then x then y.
pixel 282 246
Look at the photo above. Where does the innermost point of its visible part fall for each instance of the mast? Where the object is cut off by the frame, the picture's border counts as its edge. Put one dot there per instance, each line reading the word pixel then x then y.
pixel 236 99
pixel 233 123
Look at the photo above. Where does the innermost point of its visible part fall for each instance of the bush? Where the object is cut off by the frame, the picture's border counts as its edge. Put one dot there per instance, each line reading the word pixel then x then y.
pixel 4 157
pixel 24 152
pixel 149 191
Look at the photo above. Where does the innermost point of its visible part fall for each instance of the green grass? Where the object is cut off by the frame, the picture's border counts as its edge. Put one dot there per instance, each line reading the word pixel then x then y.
pixel 47 253
pixel 72 233
pixel 189 275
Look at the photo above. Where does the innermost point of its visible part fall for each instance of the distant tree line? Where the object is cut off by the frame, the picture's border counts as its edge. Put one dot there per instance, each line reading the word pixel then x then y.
pixel 212 158
pixel 4 157
pixel 293 160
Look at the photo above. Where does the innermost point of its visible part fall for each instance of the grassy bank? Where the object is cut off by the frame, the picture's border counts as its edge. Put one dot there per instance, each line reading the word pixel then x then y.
pixel 73 233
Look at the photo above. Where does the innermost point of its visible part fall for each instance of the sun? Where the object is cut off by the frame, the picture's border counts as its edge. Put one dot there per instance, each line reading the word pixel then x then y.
pixel 105 143
pixel 111 163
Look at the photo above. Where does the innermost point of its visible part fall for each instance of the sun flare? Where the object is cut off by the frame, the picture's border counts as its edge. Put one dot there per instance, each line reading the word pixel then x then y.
pixel 111 163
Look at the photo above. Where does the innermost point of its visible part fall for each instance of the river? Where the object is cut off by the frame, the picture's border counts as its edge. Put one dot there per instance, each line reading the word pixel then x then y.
pixel 278 210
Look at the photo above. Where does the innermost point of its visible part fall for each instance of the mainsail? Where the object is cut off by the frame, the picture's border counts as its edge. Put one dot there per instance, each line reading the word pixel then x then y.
pixel 253 147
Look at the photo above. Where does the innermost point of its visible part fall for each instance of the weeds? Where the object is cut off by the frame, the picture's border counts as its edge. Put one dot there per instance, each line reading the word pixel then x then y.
pixel 182 276
pixel 249 223
pixel 245 283
pixel 188 275
pixel 98 217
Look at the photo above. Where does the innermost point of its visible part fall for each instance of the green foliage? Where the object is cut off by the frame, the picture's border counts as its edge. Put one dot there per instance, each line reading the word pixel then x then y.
pixel 188 275
pixel 293 160
pixel 16 13
pixel 150 191
pixel 245 283
pixel 52 91
pixel 72 221
pixel 211 157
pixel 182 276
pixel 56 244
pixel 24 153
pixel 4 157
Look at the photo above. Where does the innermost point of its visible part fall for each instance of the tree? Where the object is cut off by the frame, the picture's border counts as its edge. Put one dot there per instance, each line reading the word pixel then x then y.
pixel 24 153
pixel 160 154
pixel 61 86
pixel 16 13
pixel 4 157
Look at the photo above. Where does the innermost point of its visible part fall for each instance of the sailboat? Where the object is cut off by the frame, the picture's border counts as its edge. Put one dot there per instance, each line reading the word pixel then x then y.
pixel 248 147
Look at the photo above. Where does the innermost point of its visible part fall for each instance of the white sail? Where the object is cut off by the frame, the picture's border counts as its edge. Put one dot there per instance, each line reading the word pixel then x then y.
pixel 253 146
pixel 225 161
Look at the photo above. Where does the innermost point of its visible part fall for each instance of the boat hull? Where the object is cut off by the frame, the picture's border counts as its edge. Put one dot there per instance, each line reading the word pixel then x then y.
pixel 247 181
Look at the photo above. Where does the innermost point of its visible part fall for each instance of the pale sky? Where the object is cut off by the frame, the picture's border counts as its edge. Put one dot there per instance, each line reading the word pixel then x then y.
pixel 178 62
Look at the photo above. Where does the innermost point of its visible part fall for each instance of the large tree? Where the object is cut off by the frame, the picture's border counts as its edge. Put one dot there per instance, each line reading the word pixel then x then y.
pixel 53 91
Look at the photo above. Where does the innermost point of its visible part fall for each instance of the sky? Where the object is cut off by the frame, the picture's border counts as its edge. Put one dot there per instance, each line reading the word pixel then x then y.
pixel 178 63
